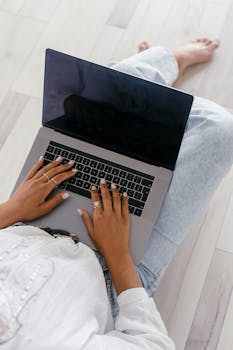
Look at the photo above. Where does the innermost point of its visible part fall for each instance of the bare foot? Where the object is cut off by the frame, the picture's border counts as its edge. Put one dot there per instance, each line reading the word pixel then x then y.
pixel 143 46
pixel 198 51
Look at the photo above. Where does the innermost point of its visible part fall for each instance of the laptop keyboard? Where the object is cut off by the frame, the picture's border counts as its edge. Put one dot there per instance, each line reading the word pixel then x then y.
pixel 92 169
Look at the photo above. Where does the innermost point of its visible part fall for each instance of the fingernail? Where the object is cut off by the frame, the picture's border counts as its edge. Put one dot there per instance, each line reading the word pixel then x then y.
pixel 41 157
pixel 125 194
pixel 80 212
pixel 93 188
pixel 103 181
pixel 65 195
pixel 59 158
pixel 113 186
pixel 75 170
pixel 71 162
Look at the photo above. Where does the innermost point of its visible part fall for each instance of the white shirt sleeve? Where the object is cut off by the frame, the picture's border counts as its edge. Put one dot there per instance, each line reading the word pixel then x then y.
pixel 138 326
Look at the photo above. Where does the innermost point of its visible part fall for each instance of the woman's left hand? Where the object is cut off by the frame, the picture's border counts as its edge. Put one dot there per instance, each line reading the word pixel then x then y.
pixel 29 201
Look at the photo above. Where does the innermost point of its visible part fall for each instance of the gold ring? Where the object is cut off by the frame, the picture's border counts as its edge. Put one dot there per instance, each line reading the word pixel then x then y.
pixel 96 204
pixel 46 176
pixel 54 182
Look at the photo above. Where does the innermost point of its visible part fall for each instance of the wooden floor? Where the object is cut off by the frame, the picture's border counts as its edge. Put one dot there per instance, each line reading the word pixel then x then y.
pixel 195 296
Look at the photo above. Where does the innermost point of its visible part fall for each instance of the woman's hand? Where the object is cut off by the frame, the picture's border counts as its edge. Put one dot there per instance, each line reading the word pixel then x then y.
pixel 109 228
pixel 29 201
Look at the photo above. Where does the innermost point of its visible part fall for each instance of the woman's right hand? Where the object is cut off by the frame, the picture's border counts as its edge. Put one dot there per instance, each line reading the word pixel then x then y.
pixel 110 225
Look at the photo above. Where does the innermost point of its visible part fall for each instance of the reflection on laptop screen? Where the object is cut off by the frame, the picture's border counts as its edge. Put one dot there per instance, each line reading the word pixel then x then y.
pixel 113 110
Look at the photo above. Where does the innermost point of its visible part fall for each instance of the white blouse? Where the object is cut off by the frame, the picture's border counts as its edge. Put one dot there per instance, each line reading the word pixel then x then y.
pixel 53 296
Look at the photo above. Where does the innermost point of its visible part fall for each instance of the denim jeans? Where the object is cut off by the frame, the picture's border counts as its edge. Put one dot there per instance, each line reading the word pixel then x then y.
pixel 205 157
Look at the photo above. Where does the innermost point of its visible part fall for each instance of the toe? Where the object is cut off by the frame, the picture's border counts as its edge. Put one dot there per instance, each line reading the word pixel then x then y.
pixel 214 44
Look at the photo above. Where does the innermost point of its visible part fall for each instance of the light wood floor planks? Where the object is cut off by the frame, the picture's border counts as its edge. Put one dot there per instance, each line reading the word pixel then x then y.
pixel 195 296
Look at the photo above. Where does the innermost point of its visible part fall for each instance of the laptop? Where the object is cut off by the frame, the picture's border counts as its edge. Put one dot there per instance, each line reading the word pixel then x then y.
pixel 114 126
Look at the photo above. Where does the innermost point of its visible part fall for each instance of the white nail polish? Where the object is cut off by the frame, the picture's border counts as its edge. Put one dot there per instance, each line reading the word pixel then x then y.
pixel 65 195
pixel 103 181
pixel 80 212
pixel 41 157
pixel 75 170
pixel 58 159
pixel 113 186
pixel 125 194
pixel 93 188
pixel 71 162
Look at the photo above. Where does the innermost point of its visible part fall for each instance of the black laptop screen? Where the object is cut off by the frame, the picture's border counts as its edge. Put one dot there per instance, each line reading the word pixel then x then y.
pixel 114 110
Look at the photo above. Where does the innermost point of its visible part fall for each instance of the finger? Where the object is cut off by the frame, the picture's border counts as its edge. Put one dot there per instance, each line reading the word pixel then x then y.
pixel 46 168
pixel 96 198
pixel 50 204
pixel 106 197
pixel 125 205
pixel 116 199
pixel 35 168
pixel 59 169
pixel 57 180
pixel 88 222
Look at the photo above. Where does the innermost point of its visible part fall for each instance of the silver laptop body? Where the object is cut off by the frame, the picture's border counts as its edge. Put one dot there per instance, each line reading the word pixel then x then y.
pixel 67 76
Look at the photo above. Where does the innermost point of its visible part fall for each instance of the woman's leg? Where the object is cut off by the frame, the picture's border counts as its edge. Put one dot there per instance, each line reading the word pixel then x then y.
pixel 205 157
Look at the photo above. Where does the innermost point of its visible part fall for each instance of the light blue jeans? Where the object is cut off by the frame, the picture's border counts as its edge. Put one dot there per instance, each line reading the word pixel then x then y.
pixel 205 157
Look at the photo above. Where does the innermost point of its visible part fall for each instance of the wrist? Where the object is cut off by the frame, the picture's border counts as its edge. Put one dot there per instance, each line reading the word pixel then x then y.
pixel 8 214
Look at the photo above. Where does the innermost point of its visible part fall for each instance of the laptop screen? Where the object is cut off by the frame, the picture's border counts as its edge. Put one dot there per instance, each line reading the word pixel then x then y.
pixel 125 114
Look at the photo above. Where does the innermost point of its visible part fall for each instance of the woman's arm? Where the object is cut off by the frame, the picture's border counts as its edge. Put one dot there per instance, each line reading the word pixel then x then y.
pixel 29 200
pixel 8 215
pixel 109 230
pixel 138 324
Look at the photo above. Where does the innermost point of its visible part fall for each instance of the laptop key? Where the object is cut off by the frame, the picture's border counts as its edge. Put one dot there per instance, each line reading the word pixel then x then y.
pixel 144 197
pixel 109 177
pixel 72 180
pixel 87 169
pixel 57 151
pixel 138 195
pixel 78 159
pixel 72 156
pixel 130 177
pixel 64 154
pixel 49 156
pixel 131 185
pixel 50 149
pixel 93 164
pixel 86 186
pixel 138 188
pixel 86 161
pixel 147 183
pixel 108 169
pixel 79 167
pixel 130 193
pixel 137 179
pixel 138 212
pixel 101 174
pixel 122 174
pixel 79 175
pixel 100 166
pixel 123 182
pixel 94 172
pixel 79 183
pixel 93 180
pixel 115 171
pixel 136 203
pixel 116 180
pixel 78 190
pixel 86 177
pixel 145 190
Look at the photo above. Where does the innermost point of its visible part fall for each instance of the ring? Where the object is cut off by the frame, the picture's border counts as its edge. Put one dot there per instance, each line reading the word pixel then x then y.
pixel 46 176
pixel 54 182
pixel 96 204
